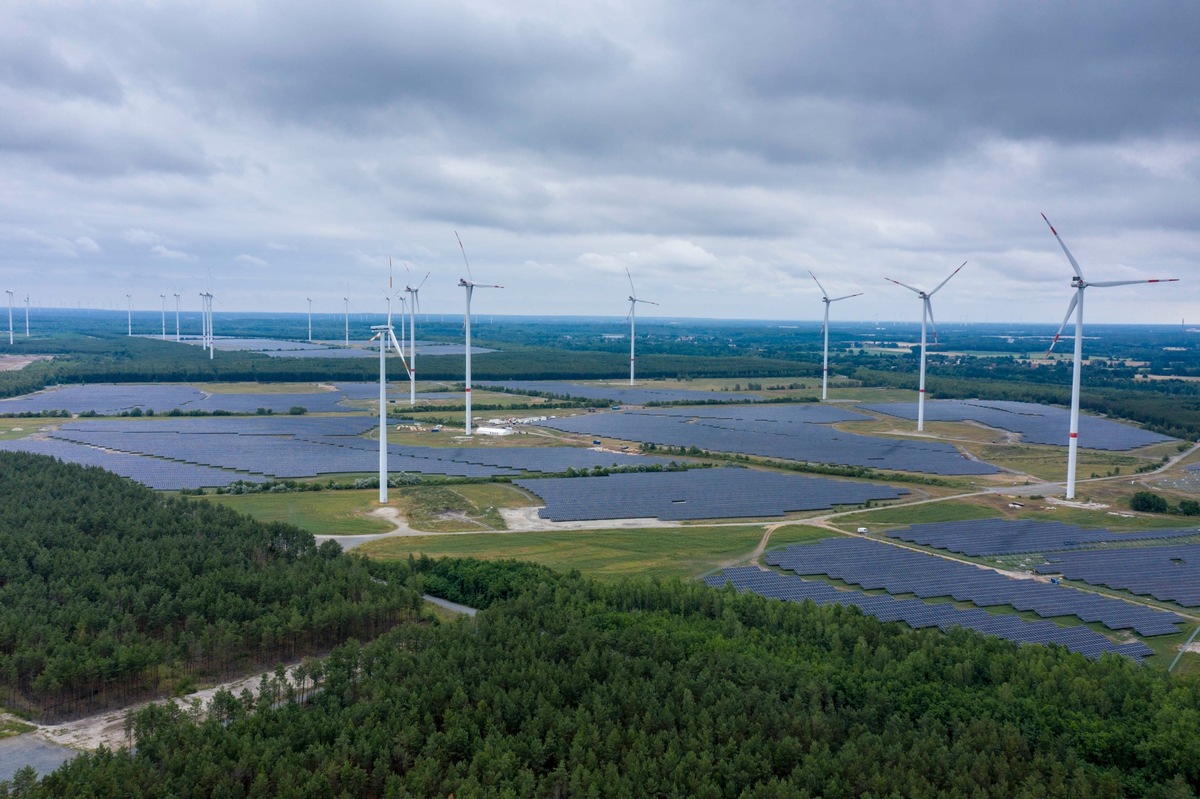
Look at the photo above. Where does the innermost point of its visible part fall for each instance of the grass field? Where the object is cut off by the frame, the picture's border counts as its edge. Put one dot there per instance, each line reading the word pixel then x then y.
pixel 605 554
pixel 21 428
pixel 452 508
pixel 948 511
pixel 319 512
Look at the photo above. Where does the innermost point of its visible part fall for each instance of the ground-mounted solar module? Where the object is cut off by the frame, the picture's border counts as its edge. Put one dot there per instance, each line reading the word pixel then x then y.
pixel 623 395
pixel 872 565
pixel 799 432
pixel 918 614
pixel 1166 573
pixel 989 537
pixel 307 446
pixel 158 473
pixel 721 493
pixel 104 398
pixel 1037 424
pixel 112 399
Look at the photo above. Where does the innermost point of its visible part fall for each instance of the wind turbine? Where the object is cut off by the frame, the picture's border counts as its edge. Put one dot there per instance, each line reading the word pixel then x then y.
pixel 633 301
pixel 1079 284
pixel 206 322
pixel 926 314
pixel 163 297
pixel 177 316
pixel 414 303
pixel 128 318
pixel 470 285
pixel 10 327
pixel 825 328
pixel 387 338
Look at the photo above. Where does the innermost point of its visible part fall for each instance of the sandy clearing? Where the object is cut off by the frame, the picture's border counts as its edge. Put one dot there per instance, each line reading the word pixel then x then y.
pixel 11 363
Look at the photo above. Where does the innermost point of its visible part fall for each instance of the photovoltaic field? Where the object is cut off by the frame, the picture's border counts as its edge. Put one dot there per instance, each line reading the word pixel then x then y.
pixel 189 452
pixel 723 493
pixel 622 395
pixel 1168 573
pixel 988 537
pixel 110 400
pixel 918 614
pixel 1037 424
pixel 792 432
pixel 871 565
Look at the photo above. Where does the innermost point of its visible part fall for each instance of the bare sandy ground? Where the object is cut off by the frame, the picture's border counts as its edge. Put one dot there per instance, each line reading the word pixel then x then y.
pixel 108 729
pixel 11 363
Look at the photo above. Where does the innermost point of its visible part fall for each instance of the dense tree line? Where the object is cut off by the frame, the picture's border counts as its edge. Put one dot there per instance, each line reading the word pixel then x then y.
pixel 107 587
pixel 568 688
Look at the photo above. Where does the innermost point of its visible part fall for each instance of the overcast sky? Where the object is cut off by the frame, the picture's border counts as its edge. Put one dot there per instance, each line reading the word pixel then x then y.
pixel 273 151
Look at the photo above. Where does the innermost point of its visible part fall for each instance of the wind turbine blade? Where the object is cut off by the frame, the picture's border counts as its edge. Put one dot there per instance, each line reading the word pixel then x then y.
pixel 824 293
pixel 1071 258
pixel 1109 283
pixel 399 350
pixel 932 324
pixel 947 280
pixel 464 254
pixel 422 283
pixel 632 290
pixel 846 297
pixel 646 302
pixel 1067 318
pixel 905 285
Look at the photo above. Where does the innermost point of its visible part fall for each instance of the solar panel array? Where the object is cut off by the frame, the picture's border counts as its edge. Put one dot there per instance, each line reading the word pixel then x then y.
pixel 164 475
pixel 299 446
pixel 1169 574
pixel 918 614
pixel 723 493
pixel 623 394
pixel 110 400
pixel 873 565
pixel 1037 424
pixel 988 537
pixel 792 432
pixel 103 398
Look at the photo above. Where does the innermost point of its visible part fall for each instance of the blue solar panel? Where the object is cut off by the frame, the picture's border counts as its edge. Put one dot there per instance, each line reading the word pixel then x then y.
pixel 697 494
pixel 917 614
pixel 873 565
pixel 987 537
pixel 1037 424
pixel 1167 573
pixel 624 395
pixel 792 432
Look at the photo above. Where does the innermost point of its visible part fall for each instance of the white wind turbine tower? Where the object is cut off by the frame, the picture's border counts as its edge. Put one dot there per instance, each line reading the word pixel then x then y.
pixel 926 314
pixel 206 321
pixel 470 285
pixel 633 301
pixel 387 338
pixel 177 316
pixel 413 304
pixel 1079 284
pixel 825 328
pixel 129 315
pixel 163 297
pixel 10 327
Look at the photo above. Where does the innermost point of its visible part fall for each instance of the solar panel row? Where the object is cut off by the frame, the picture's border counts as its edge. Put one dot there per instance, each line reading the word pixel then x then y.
pixel 986 537
pixel 873 565
pixel 623 394
pixel 792 432
pixel 110 400
pixel 723 493
pixel 1167 573
pixel 918 614
pixel 1037 424
pixel 164 475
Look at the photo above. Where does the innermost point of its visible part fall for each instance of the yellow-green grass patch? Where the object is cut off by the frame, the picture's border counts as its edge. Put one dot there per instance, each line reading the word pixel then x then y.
pixel 606 554
pixel 319 512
